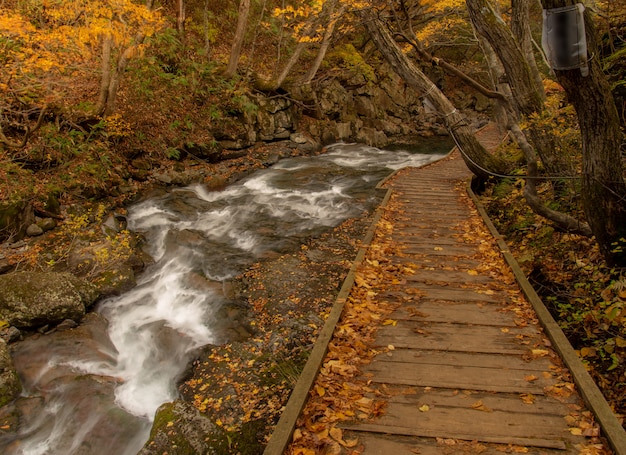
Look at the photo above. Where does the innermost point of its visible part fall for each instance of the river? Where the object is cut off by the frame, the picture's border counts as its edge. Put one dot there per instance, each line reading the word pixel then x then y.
pixel 94 389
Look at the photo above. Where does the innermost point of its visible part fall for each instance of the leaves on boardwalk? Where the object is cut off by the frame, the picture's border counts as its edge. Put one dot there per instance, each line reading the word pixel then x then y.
pixel 341 395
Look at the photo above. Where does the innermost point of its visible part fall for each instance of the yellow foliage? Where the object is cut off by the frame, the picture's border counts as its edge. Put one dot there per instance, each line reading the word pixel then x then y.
pixel 41 43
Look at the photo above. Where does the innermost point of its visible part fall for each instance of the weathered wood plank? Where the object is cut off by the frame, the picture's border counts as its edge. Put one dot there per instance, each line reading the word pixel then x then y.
pixel 451 337
pixel 458 377
pixel 482 401
pixel 381 444
pixel 454 312
pixel 504 361
pixel 473 424
pixel 456 432
pixel 459 294
pixel 446 276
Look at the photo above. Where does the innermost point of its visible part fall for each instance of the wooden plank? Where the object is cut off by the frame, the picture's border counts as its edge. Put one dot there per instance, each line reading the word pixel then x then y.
pixel 381 444
pixel 446 276
pixel 471 424
pixel 523 441
pixel 451 337
pixel 479 400
pixel 453 312
pixel 458 377
pixel 458 294
pixel 505 361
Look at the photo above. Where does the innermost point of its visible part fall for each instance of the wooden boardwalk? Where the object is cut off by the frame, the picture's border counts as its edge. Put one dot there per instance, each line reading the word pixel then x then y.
pixel 466 365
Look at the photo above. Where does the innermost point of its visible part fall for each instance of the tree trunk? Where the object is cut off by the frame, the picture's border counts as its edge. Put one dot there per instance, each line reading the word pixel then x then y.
pixel 478 160
pixel 326 40
pixel 603 188
pixel 520 26
pixel 300 47
pixel 105 78
pixel 240 34
pixel 528 93
pixel 180 17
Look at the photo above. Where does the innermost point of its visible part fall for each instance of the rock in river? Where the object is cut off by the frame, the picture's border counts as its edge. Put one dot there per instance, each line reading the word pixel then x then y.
pixel 33 299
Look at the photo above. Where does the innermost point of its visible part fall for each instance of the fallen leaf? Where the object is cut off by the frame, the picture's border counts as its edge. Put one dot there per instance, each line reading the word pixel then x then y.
pixel 479 406
pixel 530 377
pixel 424 408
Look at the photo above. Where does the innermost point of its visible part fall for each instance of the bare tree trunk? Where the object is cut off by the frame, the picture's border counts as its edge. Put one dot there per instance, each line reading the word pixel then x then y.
pixel 106 73
pixel 205 20
pixel 478 160
pixel 603 189
pixel 528 93
pixel 240 35
pixel 326 40
pixel 110 82
pixel 520 26
pixel 180 17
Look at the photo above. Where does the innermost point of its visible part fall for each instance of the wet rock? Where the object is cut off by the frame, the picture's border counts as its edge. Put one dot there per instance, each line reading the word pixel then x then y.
pixel 47 224
pixel 115 282
pixel 33 230
pixel 67 324
pixel 33 299
pixel 179 428
pixel 10 334
pixel 141 164
pixel 10 385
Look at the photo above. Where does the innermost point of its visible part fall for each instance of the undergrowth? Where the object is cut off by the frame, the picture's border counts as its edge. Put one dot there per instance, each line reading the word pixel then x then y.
pixel 584 294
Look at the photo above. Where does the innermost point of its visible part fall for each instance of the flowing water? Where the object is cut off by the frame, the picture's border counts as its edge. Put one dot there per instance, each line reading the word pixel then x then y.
pixel 94 390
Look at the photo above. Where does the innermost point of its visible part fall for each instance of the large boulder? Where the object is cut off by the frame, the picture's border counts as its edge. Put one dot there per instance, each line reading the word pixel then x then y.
pixel 10 385
pixel 181 429
pixel 34 299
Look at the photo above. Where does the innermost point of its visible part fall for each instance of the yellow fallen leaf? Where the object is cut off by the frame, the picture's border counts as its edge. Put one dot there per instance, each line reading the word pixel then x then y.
pixel 320 390
pixel 424 408
pixel 576 431
pixel 336 434
pixel 472 272
pixel 540 352
pixel 479 406
pixel 303 451
pixel 438 248
pixel 392 322
pixel 391 347
pixel 349 443
pixel 528 398
pixel 530 377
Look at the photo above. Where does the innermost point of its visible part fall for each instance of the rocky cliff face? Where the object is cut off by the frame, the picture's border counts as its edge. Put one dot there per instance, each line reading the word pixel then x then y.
pixel 345 107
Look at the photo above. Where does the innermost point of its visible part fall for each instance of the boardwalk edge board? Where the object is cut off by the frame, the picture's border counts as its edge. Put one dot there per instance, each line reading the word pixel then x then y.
pixel 591 394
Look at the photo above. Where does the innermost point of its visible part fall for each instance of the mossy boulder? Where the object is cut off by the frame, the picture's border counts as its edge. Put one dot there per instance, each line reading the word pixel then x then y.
pixel 180 429
pixel 33 299
pixel 10 385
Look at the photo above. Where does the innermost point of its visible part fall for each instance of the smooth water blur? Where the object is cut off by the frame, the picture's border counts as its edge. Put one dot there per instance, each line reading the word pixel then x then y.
pixel 100 398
